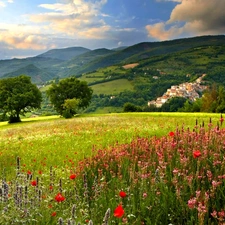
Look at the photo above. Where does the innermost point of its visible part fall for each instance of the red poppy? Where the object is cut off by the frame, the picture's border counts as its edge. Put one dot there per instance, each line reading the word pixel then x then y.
pixel 72 176
pixel 33 183
pixel 53 214
pixel 119 211
pixel 122 194
pixel 51 187
pixel 196 154
pixel 29 172
pixel 171 134
pixel 59 197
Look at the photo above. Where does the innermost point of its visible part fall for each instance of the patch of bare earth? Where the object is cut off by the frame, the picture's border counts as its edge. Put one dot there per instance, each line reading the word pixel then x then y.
pixel 130 66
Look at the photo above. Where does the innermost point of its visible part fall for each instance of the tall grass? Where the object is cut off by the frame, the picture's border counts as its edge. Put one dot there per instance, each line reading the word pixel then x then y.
pixel 139 168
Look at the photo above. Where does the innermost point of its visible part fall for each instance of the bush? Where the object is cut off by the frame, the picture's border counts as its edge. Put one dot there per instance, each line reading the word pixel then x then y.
pixel 129 107
pixel 67 114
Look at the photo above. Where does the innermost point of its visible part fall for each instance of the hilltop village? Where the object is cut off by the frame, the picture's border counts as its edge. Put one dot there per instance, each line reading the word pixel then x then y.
pixel 186 90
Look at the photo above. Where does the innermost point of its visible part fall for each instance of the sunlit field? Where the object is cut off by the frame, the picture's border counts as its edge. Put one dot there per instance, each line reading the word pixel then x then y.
pixel 137 168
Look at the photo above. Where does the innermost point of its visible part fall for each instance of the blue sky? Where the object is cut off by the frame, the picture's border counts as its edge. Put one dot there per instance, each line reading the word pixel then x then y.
pixel 31 27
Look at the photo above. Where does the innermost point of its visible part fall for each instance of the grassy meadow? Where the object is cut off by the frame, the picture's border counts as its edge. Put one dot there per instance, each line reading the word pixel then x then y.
pixel 133 168
pixel 112 87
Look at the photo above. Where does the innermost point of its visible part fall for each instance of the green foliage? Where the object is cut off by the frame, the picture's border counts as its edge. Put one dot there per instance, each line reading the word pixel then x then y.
pixel 189 106
pixel 213 100
pixel 70 107
pixel 3 117
pixel 173 104
pixel 129 107
pixel 18 96
pixel 69 94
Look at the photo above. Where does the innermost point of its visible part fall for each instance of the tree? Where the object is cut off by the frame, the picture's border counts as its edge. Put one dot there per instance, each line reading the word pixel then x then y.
pixel 18 96
pixel 213 99
pixel 221 100
pixel 173 104
pixel 191 106
pixel 69 95
pixel 187 107
pixel 209 99
pixel 70 106
pixel 129 107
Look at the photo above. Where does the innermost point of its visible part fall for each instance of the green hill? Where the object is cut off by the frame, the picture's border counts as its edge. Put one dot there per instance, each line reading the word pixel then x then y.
pixel 76 64
pixel 146 50
pixel 77 60
pixel 65 53
pixel 46 64
pixel 37 75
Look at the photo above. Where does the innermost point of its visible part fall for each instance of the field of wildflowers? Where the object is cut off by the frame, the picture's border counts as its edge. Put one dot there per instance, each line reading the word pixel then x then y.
pixel 114 169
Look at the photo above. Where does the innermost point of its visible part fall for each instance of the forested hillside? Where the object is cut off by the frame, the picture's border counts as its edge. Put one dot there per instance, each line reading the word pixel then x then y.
pixel 153 76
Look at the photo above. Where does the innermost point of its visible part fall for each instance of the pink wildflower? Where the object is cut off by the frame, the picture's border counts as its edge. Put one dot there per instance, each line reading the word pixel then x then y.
pixel 192 203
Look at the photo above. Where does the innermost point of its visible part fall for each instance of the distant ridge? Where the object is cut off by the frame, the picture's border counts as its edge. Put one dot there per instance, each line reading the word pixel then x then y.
pixel 83 60
pixel 37 75
pixel 75 61
pixel 64 53
pixel 119 48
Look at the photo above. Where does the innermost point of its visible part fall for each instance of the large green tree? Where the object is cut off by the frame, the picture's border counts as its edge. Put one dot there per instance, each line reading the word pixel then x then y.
pixel 18 96
pixel 69 95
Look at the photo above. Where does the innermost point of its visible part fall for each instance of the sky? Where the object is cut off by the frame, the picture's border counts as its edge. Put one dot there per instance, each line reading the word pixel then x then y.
pixel 31 27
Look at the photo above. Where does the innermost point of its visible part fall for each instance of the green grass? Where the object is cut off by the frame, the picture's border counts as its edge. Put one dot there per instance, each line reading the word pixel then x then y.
pixel 26 121
pixel 104 110
pixel 102 74
pixel 112 87
pixel 45 88
pixel 54 138
pixel 93 77
pixel 110 151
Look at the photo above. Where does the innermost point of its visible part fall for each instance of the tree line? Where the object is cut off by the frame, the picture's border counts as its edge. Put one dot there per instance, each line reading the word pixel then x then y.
pixel 18 95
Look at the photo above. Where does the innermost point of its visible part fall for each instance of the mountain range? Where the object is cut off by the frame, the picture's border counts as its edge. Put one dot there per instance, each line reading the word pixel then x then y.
pixel 61 63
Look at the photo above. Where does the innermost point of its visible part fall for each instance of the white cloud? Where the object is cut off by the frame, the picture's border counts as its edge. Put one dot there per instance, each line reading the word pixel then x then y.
pixel 22 37
pixel 95 32
pixel 22 41
pixel 193 17
pixel 75 18
pixel 2 4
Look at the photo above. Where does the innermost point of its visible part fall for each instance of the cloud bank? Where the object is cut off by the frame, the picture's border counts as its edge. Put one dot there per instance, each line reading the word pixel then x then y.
pixel 75 17
pixel 191 18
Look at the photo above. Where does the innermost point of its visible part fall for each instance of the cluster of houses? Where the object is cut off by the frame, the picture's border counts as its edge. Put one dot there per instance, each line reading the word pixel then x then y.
pixel 186 90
